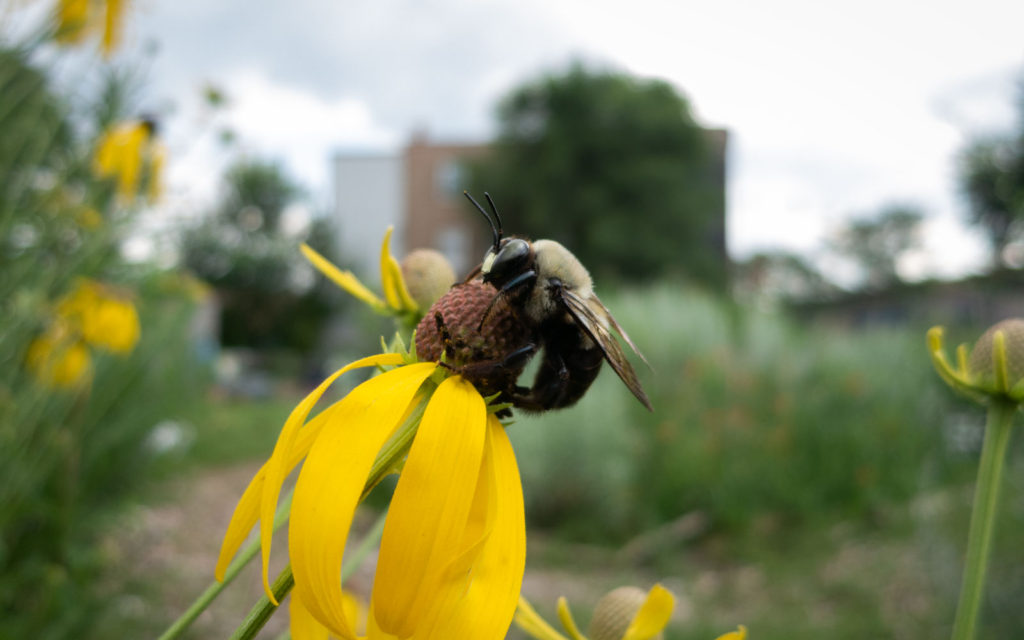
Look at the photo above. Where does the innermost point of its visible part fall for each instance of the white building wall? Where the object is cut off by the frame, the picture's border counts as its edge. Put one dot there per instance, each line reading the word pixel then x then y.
pixel 369 195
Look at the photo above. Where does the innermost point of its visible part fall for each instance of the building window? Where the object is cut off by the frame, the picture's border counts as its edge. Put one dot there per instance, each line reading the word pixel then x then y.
pixel 451 178
pixel 453 242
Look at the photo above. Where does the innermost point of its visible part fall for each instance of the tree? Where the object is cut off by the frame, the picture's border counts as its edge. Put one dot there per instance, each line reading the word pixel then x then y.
pixel 612 166
pixel 780 275
pixel 992 180
pixel 876 244
pixel 241 250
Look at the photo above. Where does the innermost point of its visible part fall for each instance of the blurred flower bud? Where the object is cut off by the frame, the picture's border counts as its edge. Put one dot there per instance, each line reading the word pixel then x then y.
pixel 981 363
pixel 994 368
pixel 428 275
pixel 615 612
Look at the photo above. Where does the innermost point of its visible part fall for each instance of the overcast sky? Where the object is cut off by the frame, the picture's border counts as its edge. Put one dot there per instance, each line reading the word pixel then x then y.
pixel 834 108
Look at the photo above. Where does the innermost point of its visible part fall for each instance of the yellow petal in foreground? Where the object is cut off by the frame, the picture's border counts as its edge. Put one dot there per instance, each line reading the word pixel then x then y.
pixel 331 483
pixel 653 616
pixel 247 512
pixel 484 608
pixel 430 507
pixel 302 624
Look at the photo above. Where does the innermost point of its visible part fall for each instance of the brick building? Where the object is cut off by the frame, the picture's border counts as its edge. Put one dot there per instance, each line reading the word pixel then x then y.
pixel 419 191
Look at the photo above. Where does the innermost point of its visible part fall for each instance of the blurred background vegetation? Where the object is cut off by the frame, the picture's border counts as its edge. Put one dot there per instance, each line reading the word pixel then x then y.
pixel 804 473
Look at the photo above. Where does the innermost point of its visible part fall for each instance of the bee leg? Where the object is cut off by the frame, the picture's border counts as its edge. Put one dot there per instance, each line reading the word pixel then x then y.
pixel 449 343
pixel 523 282
pixel 562 379
pixel 488 370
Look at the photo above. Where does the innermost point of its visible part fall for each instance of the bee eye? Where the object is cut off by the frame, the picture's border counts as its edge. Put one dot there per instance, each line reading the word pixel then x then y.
pixel 511 259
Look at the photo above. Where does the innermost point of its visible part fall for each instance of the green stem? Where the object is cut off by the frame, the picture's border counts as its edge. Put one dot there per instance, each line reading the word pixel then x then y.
pixel 983 516
pixel 210 594
pixel 263 609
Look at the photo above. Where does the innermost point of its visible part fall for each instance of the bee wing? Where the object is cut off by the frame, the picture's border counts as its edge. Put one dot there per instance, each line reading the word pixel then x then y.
pixel 615 325
pixel 595 319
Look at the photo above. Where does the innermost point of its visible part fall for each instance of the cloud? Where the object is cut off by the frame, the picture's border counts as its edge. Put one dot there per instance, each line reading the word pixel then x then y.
pixel 281 121
pixel 833 113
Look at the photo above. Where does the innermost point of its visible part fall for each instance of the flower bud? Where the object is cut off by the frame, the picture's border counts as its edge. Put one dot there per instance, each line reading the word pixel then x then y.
pixel 428 276
pixel 615 612
pixel 985 355
pixel 994 369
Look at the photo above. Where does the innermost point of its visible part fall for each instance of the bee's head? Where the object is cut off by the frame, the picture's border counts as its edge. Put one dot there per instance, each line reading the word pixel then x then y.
pixel 507 257
pixel 512 257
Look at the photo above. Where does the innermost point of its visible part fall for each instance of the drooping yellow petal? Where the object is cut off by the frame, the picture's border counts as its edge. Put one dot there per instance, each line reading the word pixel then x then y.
pixel 111 324
pixel 157 160
pixel 531 622
pixel 302 624
pixel 277 468
pixel 331 483
pixel 119 155
pixel 112 25
pixel 653 615
pixel 739 634
pixel 247 512
pixel 430 506
pixel 58 361
pixel 568 623
pixel 71 19
pixel 343 279
pixel 392 281
pixel 484 608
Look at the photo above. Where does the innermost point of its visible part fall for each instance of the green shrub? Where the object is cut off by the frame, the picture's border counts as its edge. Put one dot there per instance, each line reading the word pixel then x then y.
pixel 754 415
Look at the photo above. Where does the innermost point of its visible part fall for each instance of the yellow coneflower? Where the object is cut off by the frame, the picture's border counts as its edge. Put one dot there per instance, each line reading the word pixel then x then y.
pixel 127 150
pixel 74 19
pixel 59 360
pixel 102 317
pixel 397 300
pixel 453 551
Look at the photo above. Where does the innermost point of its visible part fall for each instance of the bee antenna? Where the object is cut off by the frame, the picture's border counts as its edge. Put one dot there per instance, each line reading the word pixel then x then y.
pixel 497 217
pixel 495 229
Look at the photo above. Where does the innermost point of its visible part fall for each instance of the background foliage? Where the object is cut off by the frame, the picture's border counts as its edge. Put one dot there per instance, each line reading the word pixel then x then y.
pixel 613 166
pixel 71 455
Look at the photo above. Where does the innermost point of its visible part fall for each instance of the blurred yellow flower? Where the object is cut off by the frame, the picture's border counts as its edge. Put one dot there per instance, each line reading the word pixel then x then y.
pixel 626 613
pixel 76 19
pixel 397 301
pixel 88 218
pixel 453 550
pixel 124 152
pixel 103 319
pixel 739 634
pixel 58 360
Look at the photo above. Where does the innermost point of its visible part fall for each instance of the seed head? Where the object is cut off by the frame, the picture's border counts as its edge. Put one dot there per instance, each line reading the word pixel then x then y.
pixel 479 350
pixel 428 275
pixel 614 613
pixel 981 362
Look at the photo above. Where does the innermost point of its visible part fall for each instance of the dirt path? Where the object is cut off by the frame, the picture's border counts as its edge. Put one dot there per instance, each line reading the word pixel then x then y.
pixel 169 550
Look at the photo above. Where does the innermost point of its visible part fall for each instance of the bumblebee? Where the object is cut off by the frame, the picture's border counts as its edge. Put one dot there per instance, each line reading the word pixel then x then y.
pixel 552 294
